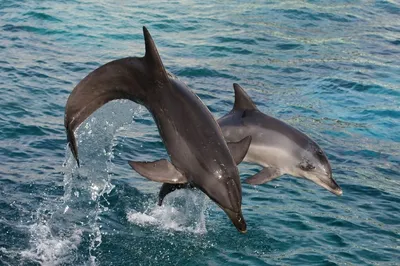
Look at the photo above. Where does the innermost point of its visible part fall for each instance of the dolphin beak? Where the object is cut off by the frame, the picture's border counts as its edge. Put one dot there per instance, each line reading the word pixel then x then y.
pixel 336 188
pixel 338 191
pixel 237 220
pixel 329 184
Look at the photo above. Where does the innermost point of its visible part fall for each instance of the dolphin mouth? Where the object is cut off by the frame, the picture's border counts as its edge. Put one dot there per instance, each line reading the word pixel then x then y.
pixel 329 185
pixel 337 191
pixel 237 220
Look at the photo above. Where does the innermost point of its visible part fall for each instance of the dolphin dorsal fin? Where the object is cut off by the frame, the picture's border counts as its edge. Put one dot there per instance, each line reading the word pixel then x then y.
pixel 242 99
pixel 152 57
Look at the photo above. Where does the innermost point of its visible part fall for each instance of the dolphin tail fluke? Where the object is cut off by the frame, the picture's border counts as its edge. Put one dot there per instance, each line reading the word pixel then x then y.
pixel 239 149
pixel 265 175
pixel 72 145
pixel 128 78
pixel 159 171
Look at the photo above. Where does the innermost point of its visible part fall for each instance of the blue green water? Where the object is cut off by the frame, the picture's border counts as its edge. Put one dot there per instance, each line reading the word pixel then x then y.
pixel 329 68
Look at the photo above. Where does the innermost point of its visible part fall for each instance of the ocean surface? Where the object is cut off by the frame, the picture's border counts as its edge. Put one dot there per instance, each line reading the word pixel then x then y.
pixel 328 68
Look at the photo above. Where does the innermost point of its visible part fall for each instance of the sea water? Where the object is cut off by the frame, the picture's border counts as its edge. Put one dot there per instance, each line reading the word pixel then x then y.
pixel 328 68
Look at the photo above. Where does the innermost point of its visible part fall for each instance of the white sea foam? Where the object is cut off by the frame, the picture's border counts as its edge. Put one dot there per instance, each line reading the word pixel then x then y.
pixel 49 249
pixel 183 211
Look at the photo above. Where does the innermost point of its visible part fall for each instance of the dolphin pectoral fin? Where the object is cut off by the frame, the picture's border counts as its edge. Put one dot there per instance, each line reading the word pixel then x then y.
pixel 168 188
pixel 239 149
pixel 159 171
pixel 265 175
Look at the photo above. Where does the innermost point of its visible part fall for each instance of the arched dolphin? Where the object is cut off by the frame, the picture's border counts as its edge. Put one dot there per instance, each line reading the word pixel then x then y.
pixel 277 146
pixel 199 154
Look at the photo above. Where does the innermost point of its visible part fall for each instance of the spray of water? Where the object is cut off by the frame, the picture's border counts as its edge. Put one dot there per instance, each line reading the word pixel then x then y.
pixel 183 210
pixel 60 226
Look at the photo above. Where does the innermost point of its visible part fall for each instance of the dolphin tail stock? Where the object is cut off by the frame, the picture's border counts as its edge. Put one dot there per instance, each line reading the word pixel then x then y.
pixel 128 78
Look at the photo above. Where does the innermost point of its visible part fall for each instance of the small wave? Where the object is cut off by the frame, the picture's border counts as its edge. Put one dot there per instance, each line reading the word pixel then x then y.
pixel 31 29
pixel 202 72
pixel 241 40
pixel 185 213
pixel 42 16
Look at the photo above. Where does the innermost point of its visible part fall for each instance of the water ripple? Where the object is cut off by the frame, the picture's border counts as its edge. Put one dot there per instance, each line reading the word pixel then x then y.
pixel 327 68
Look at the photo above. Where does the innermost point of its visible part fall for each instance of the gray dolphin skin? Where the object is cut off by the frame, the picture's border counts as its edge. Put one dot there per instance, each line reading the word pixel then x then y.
pixel 277 146
pixel 194 141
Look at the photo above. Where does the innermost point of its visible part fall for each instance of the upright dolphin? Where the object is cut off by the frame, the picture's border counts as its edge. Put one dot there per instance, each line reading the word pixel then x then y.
pixel 199 154
pixel 277 146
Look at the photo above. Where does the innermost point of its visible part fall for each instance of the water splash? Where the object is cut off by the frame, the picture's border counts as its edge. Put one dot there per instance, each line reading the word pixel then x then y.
pixel 183 210
pixel 92 181
pixel 50 249
pixel 61 228
pixel 50 242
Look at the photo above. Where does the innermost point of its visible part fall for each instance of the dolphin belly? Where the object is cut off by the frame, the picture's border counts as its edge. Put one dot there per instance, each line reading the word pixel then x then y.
pixel 268 156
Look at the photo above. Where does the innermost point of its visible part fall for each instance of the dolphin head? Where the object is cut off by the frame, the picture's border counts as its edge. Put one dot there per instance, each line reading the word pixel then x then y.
pixel 237 220
pixel 314 166
pixel 223 187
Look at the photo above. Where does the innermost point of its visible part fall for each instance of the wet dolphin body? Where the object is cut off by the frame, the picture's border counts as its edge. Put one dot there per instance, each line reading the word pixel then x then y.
pixel 277 146
pixel 199 154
